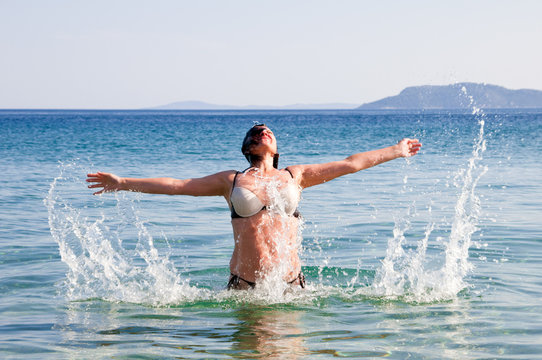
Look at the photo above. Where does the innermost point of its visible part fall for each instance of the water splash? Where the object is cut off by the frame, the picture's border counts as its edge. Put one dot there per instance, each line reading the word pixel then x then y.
pixel 99 265
pixel 403 274
pixel 103 264
pixel 467 209
pixel 110 252
pixel 281 236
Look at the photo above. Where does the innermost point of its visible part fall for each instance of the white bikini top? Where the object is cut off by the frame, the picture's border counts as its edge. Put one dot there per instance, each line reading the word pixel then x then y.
pixel 244 203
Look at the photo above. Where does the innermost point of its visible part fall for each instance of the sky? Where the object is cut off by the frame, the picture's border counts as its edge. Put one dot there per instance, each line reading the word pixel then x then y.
pixel 118 54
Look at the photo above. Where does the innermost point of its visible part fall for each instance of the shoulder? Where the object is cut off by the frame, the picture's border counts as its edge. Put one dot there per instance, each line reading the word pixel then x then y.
pixel 210 185
pixel 227 175
pixel 224 177
pixel 295 171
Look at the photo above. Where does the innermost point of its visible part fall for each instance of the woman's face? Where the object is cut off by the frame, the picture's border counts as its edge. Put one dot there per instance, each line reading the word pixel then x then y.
pixel 262 140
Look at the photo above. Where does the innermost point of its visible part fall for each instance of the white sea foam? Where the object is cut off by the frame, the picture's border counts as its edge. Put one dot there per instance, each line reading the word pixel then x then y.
pixel 99 266
pixel 403 273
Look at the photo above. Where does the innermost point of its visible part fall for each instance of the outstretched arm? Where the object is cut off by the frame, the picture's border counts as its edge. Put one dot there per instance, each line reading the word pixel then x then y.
pixel 213 185
pixel 310 175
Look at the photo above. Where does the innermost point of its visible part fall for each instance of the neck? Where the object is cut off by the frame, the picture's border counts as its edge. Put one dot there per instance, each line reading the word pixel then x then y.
pixel 263 163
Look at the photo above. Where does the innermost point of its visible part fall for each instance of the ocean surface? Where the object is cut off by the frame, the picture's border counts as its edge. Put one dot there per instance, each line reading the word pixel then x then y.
pixel 435 257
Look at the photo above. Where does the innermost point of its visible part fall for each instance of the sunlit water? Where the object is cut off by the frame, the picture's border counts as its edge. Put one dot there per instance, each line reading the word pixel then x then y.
pixel 437 256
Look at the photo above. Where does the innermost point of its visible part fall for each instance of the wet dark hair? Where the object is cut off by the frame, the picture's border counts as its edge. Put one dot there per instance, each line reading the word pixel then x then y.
pixel 247 141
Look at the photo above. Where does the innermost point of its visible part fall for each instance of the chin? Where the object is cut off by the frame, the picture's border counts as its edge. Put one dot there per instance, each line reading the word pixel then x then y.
pixel 265 147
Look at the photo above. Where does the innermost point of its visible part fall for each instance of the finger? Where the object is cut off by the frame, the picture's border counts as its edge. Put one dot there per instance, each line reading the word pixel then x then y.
pixel 95 186
pixel 98 192
pixel 95 181
pixel 97 175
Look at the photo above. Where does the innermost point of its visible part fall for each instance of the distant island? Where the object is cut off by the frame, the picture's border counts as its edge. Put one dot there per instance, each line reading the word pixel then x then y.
pixel 437 97
pixel 458 96
pixel 200 105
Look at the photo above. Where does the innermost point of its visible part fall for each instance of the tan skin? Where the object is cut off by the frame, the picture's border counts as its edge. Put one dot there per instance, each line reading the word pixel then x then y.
pixel 255 252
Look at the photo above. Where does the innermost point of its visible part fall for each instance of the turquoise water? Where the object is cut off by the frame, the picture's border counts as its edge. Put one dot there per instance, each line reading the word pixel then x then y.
pixel 438 256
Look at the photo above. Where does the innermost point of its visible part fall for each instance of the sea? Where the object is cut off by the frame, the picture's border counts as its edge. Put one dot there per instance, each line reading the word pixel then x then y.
pixel 437 256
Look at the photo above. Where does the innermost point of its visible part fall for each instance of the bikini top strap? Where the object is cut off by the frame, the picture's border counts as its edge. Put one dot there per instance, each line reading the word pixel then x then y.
pixel 235 179
pixel 292 175
pixel 233 183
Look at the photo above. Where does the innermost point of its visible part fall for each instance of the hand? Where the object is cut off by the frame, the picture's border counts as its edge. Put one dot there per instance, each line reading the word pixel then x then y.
pixel 109 182
pixel 408 147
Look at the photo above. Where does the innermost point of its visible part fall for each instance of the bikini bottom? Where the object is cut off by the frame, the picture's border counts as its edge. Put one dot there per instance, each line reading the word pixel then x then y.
pixel 235 282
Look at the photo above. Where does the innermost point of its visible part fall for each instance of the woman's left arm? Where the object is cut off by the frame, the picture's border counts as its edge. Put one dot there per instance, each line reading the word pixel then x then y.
pixel 310 175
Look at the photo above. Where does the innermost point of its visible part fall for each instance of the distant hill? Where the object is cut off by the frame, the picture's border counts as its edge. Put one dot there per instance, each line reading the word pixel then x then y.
pixel 457 96
pixel 192 105
pixel 200 105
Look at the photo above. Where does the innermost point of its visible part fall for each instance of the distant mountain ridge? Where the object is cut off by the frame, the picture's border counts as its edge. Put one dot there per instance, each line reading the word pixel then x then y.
pixel 445 97
pixel 458 96
pixel 200 105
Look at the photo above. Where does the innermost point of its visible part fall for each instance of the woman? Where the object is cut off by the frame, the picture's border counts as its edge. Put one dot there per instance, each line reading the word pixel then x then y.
pixel 263 202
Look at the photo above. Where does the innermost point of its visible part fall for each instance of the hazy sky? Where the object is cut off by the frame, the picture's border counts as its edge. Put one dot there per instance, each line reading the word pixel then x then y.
pixel 134 54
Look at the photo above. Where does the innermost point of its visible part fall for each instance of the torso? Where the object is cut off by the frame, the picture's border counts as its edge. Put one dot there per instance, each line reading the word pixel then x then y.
pixel 267 239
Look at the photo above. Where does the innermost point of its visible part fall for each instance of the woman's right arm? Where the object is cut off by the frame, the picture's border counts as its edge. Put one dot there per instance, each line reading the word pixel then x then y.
pixel 213 185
